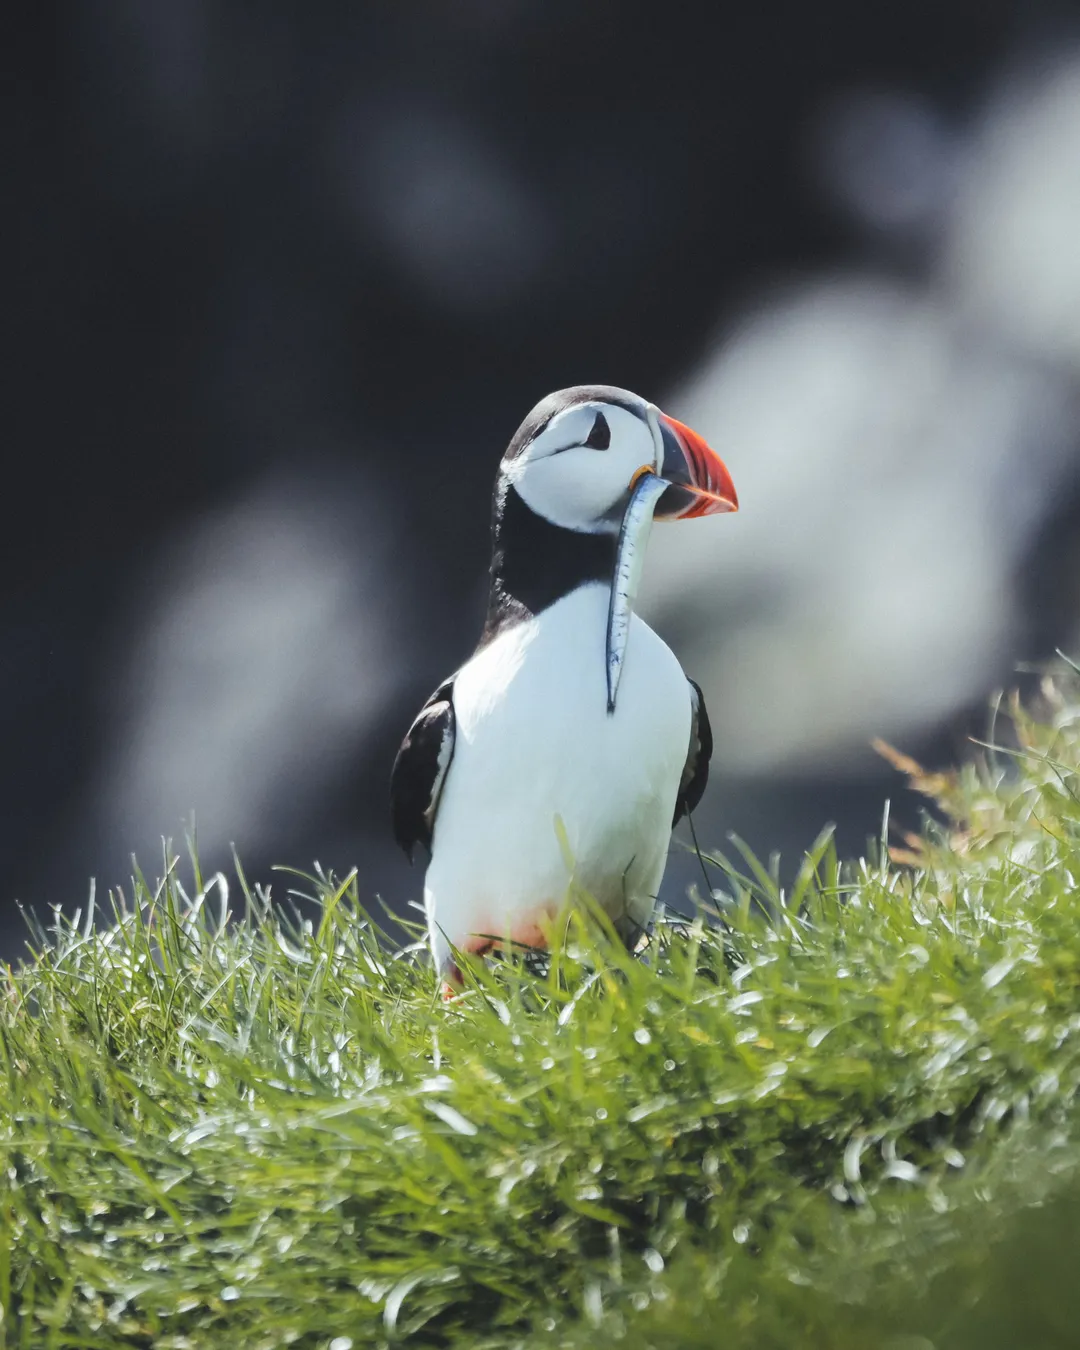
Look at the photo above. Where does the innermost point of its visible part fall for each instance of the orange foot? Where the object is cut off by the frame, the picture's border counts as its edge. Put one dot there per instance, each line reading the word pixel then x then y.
pixel 529 935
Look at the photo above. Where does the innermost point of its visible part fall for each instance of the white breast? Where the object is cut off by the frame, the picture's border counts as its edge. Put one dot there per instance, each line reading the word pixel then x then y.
pixel 535 744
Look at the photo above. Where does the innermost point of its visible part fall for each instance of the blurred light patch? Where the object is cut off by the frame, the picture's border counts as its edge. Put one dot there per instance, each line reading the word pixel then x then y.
pixel 891 466
pixel 888 158
pixel 435 194
pixel 266 654
pixel 1014 254
pixel 158 54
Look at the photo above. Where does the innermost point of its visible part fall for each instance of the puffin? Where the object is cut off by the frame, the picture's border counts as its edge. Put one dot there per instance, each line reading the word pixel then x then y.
pixel 564 751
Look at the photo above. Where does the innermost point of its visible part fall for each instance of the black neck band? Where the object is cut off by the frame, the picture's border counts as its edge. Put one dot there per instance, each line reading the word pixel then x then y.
pixel 534 563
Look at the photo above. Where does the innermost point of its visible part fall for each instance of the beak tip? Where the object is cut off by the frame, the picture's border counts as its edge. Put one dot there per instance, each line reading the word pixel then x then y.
pixel 704 474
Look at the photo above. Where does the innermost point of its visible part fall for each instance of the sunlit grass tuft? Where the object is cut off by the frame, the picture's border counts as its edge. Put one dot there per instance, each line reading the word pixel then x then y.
pixel 850 1121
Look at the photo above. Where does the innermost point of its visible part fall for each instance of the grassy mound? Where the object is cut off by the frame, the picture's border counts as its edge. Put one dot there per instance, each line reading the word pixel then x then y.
pixel 852 1124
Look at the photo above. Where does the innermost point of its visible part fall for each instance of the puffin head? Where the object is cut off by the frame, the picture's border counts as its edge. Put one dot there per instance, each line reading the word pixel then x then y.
pixel 577 457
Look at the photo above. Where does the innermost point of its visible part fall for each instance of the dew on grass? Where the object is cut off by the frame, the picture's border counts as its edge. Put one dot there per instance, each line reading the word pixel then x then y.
pixel 449 1116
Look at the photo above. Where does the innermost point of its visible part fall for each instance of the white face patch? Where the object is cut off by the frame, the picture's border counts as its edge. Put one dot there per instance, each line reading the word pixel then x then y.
pixel 571 484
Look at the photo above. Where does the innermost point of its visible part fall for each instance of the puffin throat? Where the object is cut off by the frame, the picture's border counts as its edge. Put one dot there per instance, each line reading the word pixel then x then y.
pixel 535 563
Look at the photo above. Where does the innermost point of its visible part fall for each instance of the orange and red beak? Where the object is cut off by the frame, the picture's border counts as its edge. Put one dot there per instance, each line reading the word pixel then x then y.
pixel 699 483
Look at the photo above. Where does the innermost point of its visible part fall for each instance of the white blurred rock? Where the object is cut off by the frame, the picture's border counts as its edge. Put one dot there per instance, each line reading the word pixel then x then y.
pixel 266 656
pixel 891 467
pixel 1014 252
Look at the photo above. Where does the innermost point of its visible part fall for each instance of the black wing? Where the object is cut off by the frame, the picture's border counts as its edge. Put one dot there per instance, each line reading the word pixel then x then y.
pixel 695 772
pixel 416 780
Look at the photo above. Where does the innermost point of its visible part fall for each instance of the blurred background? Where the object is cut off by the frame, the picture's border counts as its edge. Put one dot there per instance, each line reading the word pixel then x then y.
pixel 282 280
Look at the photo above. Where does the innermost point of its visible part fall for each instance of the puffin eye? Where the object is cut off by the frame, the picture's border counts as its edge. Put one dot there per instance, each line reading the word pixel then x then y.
pixel 600 436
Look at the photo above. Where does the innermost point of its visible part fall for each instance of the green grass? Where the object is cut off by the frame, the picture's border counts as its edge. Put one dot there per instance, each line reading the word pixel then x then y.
pixel 851 1124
